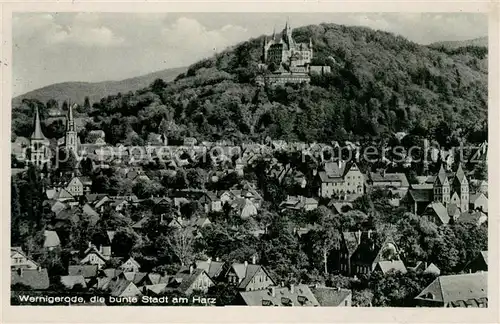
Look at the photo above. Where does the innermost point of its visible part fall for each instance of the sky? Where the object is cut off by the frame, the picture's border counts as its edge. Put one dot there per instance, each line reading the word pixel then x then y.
pixel 50 48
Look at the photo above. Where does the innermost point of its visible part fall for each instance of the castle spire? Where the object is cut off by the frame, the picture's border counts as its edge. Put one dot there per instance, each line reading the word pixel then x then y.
pixel 37 134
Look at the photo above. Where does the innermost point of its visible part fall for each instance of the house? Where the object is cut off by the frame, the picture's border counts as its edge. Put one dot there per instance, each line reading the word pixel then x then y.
pixel 130 265
pixel 299 203
pixel 461 290
pixel 359 254
pixel 211 202
pixel 37 279
pixel 437 213
pixel 332 297
pixel 78 186
pixel 340 177
pixel 121 287
pixel 63 195
pixel 214 269
pixel 418 199
pixel 248 277
pixel 244 207
pixel 477 218
pixel 339 207
pixel 89 211
pixel 388 180
pixel 88 271
pixel 478 264
pixel 57 206
pixel 423 266
pixel 96 256
pixel 51 241
pixel 18 259
pixel 189 279
pixel 293 295
pixel 71 281
pixel 478 202
pixel 387 266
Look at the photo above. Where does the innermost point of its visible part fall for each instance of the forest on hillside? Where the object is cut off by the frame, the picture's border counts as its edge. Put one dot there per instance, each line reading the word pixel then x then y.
pixel 379 84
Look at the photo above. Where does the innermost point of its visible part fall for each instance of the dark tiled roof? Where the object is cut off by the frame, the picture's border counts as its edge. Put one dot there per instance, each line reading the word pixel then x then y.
pixel 454 288
pixel 86 270
pixel 421 195
pixel 212 268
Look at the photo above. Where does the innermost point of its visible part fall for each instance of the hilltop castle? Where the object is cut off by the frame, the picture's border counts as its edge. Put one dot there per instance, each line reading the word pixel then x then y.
pixel 286 50
pixel 286 61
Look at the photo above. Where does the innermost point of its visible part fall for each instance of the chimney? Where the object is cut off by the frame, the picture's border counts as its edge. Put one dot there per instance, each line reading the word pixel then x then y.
pixel 217 259
pixel 282 284
pixel 246 265
pixel 100 248
pixel 425 265
pixel 273 291
pixel 292 288
pixel 209 261
pixel 341 163
pixel 254 259
pixel 89 244
pixel 39 269
pixel 191 269
pixel 358 234
pixel 370 233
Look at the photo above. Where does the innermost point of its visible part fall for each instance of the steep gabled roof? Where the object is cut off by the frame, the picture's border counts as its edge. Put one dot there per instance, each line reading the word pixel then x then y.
pixel 441 178
pixel 329 296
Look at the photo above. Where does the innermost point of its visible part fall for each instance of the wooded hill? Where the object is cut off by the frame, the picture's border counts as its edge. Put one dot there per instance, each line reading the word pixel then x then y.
pixel 380 84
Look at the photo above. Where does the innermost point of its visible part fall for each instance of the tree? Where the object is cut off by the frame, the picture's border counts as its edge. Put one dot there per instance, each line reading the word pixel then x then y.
pixel 123 241
pixel 86 105
pixel 326 238
pixel 181 244
pixel 196 178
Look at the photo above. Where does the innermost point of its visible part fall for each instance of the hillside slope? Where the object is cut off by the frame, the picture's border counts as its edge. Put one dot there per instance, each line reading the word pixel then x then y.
pixel 482 41
pixel 76 91
pixel 380 83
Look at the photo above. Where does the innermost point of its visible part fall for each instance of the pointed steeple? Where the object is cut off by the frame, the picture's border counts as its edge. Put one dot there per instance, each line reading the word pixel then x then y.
pixel 37 134
pixel 441 175
pixel 71 122
pixel 460 174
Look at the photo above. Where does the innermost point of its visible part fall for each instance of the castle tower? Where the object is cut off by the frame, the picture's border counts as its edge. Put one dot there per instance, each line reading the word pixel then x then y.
pixel 460 185
pixel 442 187
pixel 71 140
pixel 39 144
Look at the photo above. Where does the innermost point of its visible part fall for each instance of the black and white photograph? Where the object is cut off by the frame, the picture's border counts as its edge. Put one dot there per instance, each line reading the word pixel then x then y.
pixel 306 159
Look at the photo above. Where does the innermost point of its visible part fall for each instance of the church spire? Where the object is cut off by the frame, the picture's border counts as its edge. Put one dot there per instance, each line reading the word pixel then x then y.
pixel 37 134
pixel 71 122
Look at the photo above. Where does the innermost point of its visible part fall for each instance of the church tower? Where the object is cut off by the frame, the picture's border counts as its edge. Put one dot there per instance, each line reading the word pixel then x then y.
pixel 39 144
pixel 71 140
pixel 442 187
pixel 461 187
